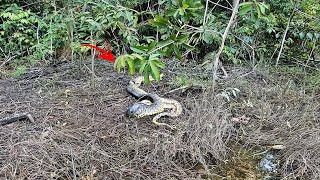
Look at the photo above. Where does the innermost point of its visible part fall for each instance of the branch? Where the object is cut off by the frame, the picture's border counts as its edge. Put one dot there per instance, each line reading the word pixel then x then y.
pixel 7 60
pixel 224 36
pixel 217 4
pixel 205 13
pixel 285 35
pixel 16 117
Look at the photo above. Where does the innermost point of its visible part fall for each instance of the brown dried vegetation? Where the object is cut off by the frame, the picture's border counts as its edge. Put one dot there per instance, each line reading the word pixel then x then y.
pixel 81 131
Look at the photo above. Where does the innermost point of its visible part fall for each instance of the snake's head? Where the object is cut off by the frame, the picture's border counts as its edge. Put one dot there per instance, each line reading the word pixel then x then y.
pixel 136 110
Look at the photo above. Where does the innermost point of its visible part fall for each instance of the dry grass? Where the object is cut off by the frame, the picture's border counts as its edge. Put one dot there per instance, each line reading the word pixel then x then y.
pixel 81 131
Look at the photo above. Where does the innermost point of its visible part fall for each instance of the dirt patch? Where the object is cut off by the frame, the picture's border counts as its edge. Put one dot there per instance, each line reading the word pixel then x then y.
pixel 81 131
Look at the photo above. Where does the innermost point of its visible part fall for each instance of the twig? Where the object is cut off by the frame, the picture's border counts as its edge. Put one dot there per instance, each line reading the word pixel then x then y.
pixel 160 47
pixel 224 36
pixel 31 4
pixel 94 75
pixel 16 117
pixel 201 29
pixel 73 166
pixel 285 35
pixel 1 50
pixel 217 4
pixel 6 61
pixel 310 54
pixel 177 89
pixel 205 13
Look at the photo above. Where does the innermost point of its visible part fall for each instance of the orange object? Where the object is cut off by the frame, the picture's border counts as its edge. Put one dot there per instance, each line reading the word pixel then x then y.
pixel 103 54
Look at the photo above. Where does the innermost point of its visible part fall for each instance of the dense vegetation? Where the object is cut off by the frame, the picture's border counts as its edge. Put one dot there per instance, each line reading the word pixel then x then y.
pixel 268 105
pixel 141 32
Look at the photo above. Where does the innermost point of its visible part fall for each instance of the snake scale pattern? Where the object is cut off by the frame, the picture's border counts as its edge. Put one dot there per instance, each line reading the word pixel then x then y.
pixel 156 106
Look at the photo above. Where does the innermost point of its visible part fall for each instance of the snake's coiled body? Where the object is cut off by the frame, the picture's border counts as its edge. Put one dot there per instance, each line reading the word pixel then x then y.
pixel 157 105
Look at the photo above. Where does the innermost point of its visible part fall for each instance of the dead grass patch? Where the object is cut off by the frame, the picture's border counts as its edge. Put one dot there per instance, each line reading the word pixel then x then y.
pixel 81 131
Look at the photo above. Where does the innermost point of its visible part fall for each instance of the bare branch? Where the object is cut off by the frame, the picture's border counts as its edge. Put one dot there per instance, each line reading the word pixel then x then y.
pixel 205 13
pixel 16 117
pixel 224 36
pixel 284 36
pixel 7 60
pixel 217 4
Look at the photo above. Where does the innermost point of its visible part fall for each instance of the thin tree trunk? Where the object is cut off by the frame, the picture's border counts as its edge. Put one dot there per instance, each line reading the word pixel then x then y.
pixel 285 35
pixel 224 36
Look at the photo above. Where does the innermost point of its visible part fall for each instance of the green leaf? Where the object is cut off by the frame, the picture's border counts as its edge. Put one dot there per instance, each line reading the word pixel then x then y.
pixel 142 67
pixel 137 56
pixel 316 35
pixel 123 62
pixel 207 37
pixel 182 38
pixel 152 46
pixel 146 75
pixel 177 52
pixel 245 4
pixel 185 6
pixel 244 10
pixel 154 57
pixel 117 63
pixel 262 8
pixel 159 63
pixel 131 66
pixel 155 71
pixel 187 46
pixel 165 43
pixel 139 49
pixel 159 21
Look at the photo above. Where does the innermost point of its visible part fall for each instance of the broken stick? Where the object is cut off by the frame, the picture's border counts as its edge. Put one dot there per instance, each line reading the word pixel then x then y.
pixel 16 117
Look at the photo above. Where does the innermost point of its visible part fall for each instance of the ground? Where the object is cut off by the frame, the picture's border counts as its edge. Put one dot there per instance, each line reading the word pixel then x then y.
pixel 81 131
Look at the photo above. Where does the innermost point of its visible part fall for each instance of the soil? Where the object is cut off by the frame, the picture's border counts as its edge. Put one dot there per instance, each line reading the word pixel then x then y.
pixel 81 131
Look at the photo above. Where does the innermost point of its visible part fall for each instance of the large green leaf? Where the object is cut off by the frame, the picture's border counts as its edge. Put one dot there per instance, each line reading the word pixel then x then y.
pixel 165 43
pixel 177 52
pixel 146 75
pixel 159 63
pixel 142 67
pixel 245 4
pixel 154 57
pixel 152 46
pixel 118 63
pixel 138 57
pixel 244 10
pixel 262 8
pixel 180 39
pixel 187 46
pixel 207 37
pixel 131 66
pixel 139 49
pixel 155 71
pixel 159 21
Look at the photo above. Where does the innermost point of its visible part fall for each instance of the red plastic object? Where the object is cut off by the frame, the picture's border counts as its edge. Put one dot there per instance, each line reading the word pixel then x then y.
pixel 103 54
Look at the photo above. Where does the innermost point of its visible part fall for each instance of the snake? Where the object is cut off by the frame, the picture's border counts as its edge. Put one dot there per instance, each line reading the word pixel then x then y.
pixel 154 105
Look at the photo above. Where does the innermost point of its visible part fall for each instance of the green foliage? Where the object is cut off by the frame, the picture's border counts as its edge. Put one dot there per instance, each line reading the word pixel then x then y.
pixel 146 65
pixel 17 31
pixel 184 9
pixel 142 32
pixel 19 71
pixel 172 39
pixel 93 19
pixel 254 6
pixel 229 93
